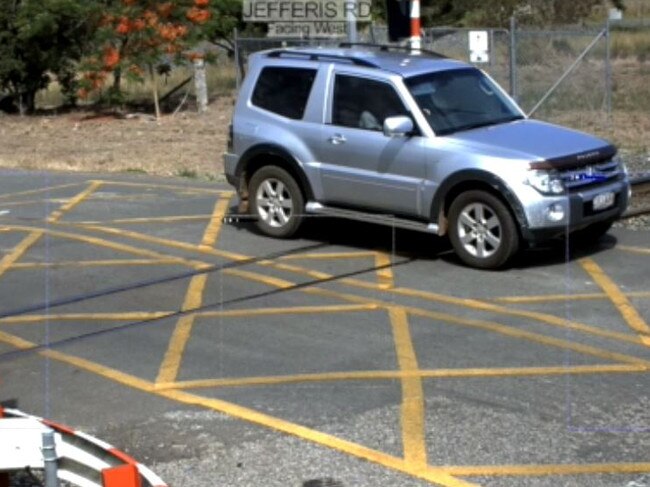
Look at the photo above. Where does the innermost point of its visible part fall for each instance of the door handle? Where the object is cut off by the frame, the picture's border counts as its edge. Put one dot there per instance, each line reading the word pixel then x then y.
pixel 337 139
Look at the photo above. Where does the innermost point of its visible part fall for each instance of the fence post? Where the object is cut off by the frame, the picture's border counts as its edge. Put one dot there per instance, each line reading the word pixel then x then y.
pixel 235 36
pixel 513 59
pixel 351 22
pixel 608 73
pixel 200 85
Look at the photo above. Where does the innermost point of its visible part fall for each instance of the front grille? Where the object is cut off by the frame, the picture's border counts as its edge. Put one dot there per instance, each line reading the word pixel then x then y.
pixel 591 176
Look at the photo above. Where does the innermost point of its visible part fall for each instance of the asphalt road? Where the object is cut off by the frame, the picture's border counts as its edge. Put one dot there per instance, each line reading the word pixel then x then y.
pixel 353 353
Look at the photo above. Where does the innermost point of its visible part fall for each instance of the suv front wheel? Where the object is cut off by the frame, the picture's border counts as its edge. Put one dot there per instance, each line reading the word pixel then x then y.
pixel 482 230
pixel 277 201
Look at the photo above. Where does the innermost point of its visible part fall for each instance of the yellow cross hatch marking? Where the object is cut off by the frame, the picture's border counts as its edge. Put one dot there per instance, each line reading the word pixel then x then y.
pixel 565 297
pixel 437 476
pixel 389 375
pixel 618 299
pixel 39 190
pixel 384 273
pixel 193 300
pixel 410 376
pixel 55 216
pixel 412 417
pixel 95 263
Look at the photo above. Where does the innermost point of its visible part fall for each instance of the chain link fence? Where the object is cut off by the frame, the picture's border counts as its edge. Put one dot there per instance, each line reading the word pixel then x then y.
pixel 566 76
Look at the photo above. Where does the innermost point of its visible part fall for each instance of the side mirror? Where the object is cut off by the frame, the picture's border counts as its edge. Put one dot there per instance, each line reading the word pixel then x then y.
pixel 400 126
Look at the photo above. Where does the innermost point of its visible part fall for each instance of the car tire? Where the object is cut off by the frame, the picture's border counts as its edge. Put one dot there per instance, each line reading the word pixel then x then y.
pixel 482 230
pixel 277 202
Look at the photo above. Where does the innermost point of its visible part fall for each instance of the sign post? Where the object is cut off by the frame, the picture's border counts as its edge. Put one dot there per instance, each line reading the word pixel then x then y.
pixel 416 35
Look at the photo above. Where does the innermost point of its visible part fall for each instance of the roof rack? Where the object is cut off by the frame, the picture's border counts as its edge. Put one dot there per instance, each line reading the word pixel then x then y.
pixel 316 56
pixel 392 47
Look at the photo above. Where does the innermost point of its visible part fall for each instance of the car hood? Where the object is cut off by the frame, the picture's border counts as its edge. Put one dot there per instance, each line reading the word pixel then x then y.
pixel 545 144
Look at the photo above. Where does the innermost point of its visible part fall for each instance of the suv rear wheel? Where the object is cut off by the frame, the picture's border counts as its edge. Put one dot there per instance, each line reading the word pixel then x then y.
pixel 277 201
pixel 482 230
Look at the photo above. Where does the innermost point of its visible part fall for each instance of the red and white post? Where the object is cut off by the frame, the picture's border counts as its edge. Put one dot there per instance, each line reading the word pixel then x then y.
pixel 416 37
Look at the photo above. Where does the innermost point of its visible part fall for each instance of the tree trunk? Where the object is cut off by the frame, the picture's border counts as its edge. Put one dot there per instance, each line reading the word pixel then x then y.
pixel 117 80
pixel 154 82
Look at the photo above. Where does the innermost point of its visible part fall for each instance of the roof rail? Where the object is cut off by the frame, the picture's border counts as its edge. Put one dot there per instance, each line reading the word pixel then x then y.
pixel 321 56
pixel 393 47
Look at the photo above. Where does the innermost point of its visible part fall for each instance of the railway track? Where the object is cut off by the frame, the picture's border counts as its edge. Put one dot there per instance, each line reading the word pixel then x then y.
pixel 640 202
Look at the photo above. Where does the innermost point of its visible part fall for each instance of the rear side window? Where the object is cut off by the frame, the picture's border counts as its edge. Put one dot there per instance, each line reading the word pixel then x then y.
pixel 284 91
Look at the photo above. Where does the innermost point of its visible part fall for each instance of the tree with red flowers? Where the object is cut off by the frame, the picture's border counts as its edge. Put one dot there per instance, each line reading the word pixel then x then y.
pixel 136 37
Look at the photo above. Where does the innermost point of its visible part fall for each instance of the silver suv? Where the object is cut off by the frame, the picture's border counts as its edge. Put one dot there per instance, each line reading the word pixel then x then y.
pixel 415 140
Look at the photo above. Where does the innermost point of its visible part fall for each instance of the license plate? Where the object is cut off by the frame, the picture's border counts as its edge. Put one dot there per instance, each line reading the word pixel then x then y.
pixel 603 200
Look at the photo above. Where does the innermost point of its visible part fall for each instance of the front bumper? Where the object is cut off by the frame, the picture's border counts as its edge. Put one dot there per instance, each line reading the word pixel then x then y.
pixel 578 211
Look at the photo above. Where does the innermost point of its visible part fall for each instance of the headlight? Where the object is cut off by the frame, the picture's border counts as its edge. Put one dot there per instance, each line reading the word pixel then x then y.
pixel 546 182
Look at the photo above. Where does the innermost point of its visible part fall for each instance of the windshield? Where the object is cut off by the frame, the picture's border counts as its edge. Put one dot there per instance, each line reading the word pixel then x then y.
pixel 461 99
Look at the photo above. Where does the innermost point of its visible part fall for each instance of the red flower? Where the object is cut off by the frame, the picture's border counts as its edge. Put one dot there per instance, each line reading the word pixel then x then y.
pixel 124 27
pixel 111 58
pixel 197 15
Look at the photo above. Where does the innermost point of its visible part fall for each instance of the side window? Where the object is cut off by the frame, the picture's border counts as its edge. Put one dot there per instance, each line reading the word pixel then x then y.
pixel 284 91
pixel 363 103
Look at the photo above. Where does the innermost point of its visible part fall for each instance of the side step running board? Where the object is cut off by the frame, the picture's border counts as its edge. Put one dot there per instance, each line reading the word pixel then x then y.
pixel 389 220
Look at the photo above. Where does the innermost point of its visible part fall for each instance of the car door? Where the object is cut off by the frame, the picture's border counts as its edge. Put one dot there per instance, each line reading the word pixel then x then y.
pixel 359 165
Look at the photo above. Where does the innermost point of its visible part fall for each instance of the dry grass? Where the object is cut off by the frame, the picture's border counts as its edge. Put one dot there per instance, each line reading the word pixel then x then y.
pixel 187 144
pixel 627 130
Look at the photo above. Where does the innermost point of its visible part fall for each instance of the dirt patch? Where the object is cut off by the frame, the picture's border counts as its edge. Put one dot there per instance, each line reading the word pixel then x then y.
pixel 186 144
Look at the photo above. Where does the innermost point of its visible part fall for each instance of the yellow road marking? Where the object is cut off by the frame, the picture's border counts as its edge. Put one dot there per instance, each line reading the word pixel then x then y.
pixel 462 302
pixel 448 318
pixel 139 251
pixel 378 375
pixel 18 251
pixel 412 415
pixel 623 305
pixel 193 300
pixel 214 227
pixel 565 297
pixel 533 315
pixel 150 315
pixel 328 255
pixel 549 298
pixel 39 190
pixel 56 215
pixel 161 219
pixel 80 363
pixel 174 355
pixel 544 470
pixel 431 474
pixel 254 276
pixel 436 475
pixel 186 189
pixel 384 275
pixel 336 308
pixel 166 242
pixel 135 316
pixel 635 250
pixel 94 263
pixel 29 202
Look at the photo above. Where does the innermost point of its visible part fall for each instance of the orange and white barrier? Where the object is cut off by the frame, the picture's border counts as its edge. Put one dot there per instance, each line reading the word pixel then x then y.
pixel 82 460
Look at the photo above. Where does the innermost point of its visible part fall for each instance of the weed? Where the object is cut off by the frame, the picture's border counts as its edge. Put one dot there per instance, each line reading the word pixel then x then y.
pixel 187 173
